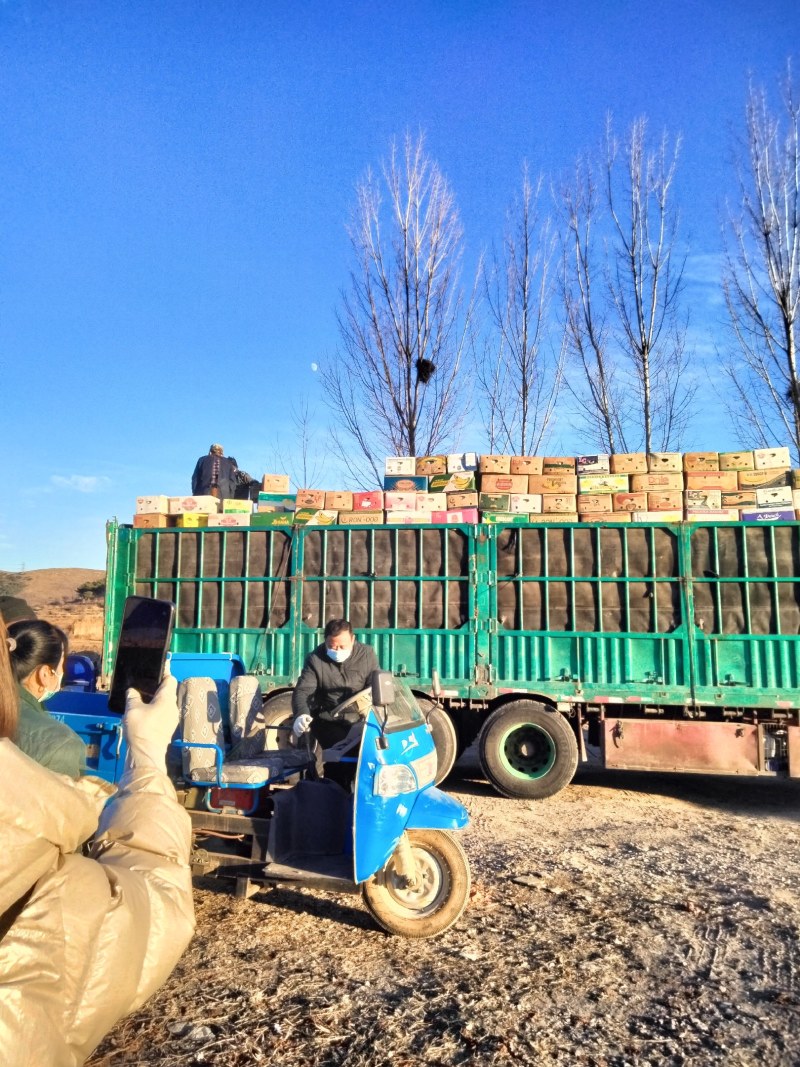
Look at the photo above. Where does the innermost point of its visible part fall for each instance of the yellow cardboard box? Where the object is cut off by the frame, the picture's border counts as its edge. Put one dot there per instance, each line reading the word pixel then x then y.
pixel 603 483
pixel 192 520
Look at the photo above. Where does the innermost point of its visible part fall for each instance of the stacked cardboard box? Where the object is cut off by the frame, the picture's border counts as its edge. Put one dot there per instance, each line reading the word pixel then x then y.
pixel 463 487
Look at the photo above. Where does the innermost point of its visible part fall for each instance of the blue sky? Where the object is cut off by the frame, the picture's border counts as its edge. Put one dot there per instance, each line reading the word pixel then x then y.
pixel 176 177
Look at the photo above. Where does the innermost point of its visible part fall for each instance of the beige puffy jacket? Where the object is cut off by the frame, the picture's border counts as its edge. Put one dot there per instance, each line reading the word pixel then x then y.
pixel 85 941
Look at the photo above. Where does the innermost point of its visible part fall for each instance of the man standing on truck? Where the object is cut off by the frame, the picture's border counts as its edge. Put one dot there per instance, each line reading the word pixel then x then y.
pixel 215 475
pixel 335 671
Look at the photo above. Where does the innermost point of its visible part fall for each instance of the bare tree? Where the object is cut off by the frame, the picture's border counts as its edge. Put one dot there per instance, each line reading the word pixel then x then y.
pixel 624 326
pixel 404 323
pixel 600 400
pixel 300 456
pixel 761 279
pixel 520 371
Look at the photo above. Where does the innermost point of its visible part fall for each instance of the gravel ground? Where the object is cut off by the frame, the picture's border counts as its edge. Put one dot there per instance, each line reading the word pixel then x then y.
pixel 631 920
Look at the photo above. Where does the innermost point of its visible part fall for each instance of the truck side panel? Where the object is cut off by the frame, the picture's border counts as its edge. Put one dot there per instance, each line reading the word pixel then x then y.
pixel 590 611
pixel 745 609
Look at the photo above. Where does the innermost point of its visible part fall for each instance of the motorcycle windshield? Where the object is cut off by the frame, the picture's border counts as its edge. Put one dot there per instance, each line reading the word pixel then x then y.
pixel 389 779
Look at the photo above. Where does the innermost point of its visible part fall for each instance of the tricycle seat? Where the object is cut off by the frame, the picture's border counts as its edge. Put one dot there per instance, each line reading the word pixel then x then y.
pixel 255 771
pixel 206 758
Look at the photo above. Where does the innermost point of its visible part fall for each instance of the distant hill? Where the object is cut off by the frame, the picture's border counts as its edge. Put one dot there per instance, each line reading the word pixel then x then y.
pixel 53 595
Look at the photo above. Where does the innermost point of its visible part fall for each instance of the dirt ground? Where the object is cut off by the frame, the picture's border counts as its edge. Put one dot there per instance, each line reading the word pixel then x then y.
pixel 631 920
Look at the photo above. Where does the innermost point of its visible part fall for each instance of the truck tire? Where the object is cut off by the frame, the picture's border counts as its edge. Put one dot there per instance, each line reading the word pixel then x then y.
pixel 439 896
pixel 527 751
pixel 444 737
pixel 278 712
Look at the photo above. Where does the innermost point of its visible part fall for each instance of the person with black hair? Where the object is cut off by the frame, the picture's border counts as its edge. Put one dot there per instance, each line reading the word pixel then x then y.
pixel 38 653
pixel 335 671
pixel 87 934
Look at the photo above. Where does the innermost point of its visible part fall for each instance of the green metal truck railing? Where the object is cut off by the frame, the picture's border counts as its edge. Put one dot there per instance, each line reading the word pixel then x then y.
pixel 677 614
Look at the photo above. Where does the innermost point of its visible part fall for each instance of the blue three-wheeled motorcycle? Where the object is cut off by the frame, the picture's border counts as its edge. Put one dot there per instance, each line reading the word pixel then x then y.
pixel 266 816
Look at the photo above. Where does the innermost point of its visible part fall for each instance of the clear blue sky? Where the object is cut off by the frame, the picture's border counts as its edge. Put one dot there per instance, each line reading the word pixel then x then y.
pixel 175 178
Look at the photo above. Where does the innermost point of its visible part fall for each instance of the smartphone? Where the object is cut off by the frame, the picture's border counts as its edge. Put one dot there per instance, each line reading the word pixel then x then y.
pixel 142 649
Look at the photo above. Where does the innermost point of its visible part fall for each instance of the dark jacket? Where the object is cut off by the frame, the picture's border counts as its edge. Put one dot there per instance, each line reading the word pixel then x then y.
pixel 226 480
pixel 46 740
pixel 323 684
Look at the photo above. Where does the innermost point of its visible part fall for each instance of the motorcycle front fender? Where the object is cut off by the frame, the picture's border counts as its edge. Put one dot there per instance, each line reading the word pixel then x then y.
pixel 435 810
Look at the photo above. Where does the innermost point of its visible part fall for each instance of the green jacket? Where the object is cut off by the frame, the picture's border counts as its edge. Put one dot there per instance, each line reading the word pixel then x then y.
pixel 50 742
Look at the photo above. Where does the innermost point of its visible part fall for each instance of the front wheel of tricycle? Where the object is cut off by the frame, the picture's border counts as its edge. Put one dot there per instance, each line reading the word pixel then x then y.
pixel 436 897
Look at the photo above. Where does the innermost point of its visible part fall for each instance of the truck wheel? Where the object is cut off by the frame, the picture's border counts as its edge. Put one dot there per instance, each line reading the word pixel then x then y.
pixel 436 899
pixel 444 737
pixel 527 751
pixel 278 712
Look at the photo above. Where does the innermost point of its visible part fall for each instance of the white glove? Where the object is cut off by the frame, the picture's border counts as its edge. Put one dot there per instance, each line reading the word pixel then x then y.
pixel 149 728
pixel 301 725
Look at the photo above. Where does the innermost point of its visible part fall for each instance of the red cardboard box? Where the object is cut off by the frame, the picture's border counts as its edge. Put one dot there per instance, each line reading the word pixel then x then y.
pixel 368 501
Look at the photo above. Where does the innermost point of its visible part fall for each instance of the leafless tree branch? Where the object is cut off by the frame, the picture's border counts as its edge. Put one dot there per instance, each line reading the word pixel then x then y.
pixel 521 369
pixel 404 323
pixel 761 277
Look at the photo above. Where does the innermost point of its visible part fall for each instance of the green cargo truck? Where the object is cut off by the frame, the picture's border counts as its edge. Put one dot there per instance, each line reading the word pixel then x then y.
pixel 648 646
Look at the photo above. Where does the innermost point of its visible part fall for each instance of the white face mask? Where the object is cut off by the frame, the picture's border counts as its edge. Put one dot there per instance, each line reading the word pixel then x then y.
pixel 52 692
pixel 339 655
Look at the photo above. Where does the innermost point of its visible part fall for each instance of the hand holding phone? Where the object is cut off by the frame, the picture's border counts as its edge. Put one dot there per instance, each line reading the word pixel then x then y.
pixel 144 641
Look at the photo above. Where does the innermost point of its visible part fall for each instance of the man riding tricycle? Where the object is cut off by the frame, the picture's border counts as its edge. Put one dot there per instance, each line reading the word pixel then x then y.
pixel 262 814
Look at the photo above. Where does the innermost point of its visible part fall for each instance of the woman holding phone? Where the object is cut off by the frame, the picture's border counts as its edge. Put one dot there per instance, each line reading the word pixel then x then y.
pixel 38 653
pixel 86 939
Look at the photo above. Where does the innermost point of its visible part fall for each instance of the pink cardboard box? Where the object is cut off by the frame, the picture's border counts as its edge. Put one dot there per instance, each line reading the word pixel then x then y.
pixel 463 515
pixel 400 501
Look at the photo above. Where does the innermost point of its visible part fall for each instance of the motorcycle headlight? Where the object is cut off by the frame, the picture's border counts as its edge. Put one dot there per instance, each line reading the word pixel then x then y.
pixel 425 769
pixel 393 780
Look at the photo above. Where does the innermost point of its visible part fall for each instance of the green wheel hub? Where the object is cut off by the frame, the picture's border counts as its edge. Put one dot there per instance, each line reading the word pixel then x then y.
pixel 527 751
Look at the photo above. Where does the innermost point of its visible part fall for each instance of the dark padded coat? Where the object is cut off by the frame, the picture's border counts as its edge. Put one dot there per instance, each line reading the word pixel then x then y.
pixel 226 479
pixel 323 684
